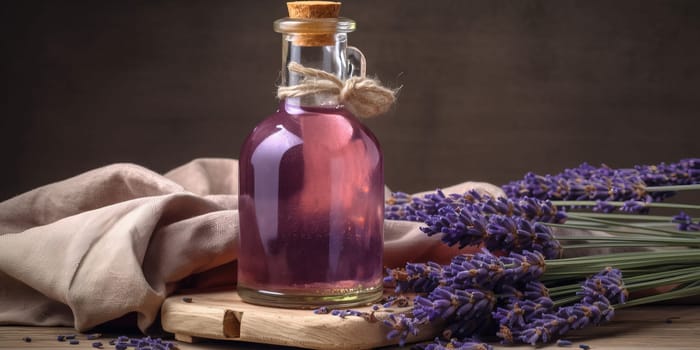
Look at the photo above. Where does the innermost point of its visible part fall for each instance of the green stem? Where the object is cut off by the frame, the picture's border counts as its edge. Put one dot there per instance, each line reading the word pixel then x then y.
pixel 621 224
pixel 674 294
pixel 609 245
pixel 660 274
pixel 585 265
pixel 567 300
pixel 640 282
pixel 633 238
pixel 669 224
pixel 619 204
pixel 629 255
pixel 673 188
pixel 622 216
pixel 692 289
pixel 598 228
pixel 663 281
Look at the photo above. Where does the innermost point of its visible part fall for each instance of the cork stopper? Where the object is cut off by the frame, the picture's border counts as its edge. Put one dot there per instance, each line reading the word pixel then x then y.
pixel 314 10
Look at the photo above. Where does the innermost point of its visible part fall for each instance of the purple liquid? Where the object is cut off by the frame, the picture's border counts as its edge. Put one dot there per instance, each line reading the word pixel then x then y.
pixel 311 205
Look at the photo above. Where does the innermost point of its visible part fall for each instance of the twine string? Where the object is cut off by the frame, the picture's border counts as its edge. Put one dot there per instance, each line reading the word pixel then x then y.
pixel 362 96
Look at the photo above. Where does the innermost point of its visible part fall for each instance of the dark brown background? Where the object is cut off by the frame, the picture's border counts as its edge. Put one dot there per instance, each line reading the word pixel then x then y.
pixel 491 89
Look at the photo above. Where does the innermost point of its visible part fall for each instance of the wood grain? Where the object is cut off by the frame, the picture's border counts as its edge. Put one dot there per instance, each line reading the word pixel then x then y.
pixel 647 327
pixel 245 322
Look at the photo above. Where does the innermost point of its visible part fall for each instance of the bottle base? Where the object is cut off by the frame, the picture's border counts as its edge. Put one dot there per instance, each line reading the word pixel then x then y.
pixel 364 296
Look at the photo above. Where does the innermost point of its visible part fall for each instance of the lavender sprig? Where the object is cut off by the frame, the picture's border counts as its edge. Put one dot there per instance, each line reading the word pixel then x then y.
pixel 481 271
pixel 477 287
pixel 464 294
pixel 542 326
pixel 473 218
pixel 514 291
pixel 402 206
pixel 469 225
pixel 586 182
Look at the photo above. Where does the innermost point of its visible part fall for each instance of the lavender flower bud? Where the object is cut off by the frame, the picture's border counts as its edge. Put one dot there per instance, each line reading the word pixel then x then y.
pixel 482 270
pixel 634 206
pixel 685 222
pixel 511 316
pixel 607 284
pixel 604 207
pixel 457 305
pixel 416 277
pixel 469 226
pixel 454 344
pixel 523 267
pixel 401 326
pixel 523 307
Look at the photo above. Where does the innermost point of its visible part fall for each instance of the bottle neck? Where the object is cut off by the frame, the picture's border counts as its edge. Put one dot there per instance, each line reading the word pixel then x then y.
pixel 330 58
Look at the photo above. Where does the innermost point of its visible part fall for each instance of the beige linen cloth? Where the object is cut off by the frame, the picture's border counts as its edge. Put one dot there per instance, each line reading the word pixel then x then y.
pixel 119 239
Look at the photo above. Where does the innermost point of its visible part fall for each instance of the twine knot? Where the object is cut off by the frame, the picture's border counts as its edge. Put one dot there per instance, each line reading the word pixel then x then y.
pixel 362 96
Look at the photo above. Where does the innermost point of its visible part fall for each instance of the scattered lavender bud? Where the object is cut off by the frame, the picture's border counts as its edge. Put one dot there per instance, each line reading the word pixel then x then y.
pixel 584 346
pixel 376 307
pixel 97 344
pixel 401 326
pixel 454 344
pixel 27 339
pixel 70 336
pixel 564 342
pixel 346 313
pixel 187 299
pixel 61 337
pixel 112 341
pixel 146 343
pixel 74 341
pixel 93 336
pixel 321 310
pixel 685 222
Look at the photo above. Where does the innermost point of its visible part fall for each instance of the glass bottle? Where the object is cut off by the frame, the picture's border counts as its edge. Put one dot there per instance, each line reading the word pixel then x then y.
pixel 311 196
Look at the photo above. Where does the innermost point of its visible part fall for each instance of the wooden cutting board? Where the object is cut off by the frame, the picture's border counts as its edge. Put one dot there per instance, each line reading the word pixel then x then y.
pixel 224 316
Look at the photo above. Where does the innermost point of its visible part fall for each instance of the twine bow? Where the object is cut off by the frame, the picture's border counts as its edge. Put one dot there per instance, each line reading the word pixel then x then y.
pixel 364 97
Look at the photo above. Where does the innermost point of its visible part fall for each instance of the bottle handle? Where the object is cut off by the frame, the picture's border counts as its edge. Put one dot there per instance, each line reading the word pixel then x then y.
pixel 357 63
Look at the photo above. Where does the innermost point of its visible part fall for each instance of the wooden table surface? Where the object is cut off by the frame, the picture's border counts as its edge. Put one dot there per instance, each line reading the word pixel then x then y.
pixel 647 327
